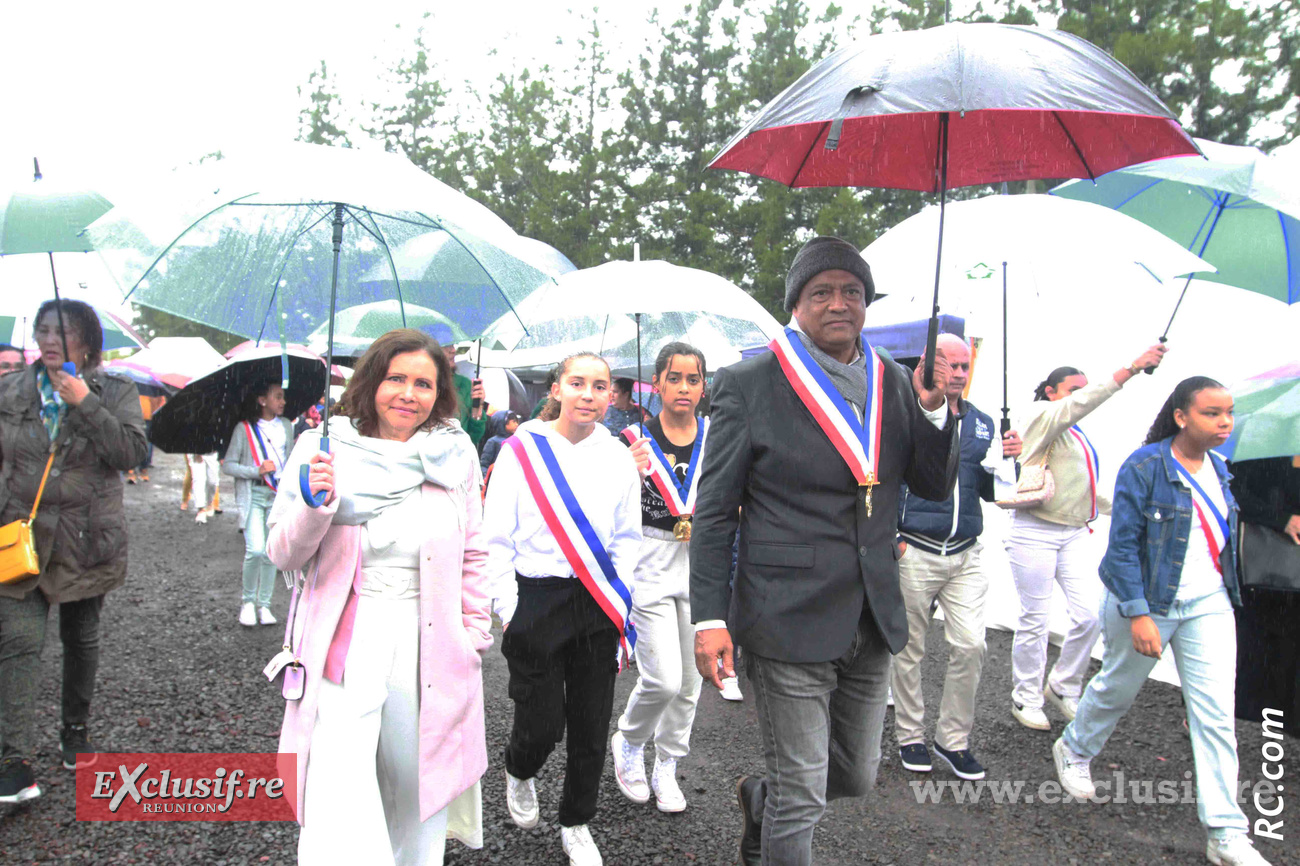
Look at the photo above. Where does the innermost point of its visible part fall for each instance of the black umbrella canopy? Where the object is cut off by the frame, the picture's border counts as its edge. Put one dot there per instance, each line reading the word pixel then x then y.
pixel 202 416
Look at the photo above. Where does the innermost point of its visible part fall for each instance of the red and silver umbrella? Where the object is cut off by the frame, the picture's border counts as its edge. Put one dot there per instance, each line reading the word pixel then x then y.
pixel 952 106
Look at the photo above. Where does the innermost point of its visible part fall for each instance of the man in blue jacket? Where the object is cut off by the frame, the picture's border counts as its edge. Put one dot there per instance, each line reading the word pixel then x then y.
pixel 939 560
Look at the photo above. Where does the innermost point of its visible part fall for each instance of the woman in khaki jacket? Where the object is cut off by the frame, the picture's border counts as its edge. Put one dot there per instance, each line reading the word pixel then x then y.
pixel 1046 544
pixel 93 420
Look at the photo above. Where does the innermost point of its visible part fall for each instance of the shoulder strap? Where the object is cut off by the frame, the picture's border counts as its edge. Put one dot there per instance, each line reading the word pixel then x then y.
pixel 40 491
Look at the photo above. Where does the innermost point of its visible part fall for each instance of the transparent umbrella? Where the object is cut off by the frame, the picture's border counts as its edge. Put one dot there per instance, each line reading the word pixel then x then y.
pixel 275 242
pixel 626 311
pixel 355 328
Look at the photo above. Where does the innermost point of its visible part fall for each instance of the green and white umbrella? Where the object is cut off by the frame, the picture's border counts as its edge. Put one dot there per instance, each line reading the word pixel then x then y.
pixel 355 328
pixel 41 217
pixel 1268 415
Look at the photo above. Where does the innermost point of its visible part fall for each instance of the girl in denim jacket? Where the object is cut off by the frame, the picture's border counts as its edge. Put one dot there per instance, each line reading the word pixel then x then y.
pixel 1170 579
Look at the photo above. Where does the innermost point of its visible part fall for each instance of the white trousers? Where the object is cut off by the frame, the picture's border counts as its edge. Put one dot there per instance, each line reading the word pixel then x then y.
pixel 205 478
pixel 361 803
pixel 662 704
pixel 960 585
pixel 1043 554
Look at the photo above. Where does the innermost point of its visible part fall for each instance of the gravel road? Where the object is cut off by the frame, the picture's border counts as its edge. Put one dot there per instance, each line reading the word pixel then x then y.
pixel 179 674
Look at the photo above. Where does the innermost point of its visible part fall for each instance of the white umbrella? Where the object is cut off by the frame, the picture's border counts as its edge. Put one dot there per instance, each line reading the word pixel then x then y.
pixel 627 311
pixel 1059 261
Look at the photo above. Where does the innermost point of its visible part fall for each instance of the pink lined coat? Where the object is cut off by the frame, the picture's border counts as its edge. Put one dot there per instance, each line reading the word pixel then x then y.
pixel 455 620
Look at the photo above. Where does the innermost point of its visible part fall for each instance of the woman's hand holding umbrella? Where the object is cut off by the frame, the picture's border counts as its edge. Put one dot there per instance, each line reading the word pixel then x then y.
pixel 320 476
pixel 267 466
pixel 70 387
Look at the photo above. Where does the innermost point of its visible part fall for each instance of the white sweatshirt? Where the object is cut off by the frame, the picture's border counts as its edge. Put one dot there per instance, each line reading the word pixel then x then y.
pixel 605 481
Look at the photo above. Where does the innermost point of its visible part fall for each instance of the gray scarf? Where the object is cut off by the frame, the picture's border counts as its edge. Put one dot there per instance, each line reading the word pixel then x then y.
pixel 373 474
pixel 849 379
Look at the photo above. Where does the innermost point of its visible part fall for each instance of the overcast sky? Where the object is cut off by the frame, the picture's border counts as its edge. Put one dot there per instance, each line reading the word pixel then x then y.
pixel 95 87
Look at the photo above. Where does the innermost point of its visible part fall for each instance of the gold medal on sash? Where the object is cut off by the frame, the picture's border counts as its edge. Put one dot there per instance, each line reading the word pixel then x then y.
pixel 682 531
pixel 867 487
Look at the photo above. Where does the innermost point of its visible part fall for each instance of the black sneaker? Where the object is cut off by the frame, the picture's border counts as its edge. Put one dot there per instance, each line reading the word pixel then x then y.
pixel 17 781
pixel 75 742
pixel 915 757
pixel 961 762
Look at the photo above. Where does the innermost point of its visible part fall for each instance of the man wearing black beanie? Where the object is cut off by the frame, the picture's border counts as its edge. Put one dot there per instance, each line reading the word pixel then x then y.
pixel 812 480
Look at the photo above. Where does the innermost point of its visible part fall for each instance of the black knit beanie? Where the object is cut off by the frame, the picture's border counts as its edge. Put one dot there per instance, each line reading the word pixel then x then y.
pixel 825 254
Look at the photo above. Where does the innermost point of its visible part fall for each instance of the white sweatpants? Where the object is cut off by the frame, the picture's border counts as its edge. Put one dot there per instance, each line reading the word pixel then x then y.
pixel 362 798
pixel 205 478
pixel 1043 553
pixel 662 704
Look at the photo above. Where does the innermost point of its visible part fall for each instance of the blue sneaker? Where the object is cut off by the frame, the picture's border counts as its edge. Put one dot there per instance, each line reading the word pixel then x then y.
pixel 915 757
pixel 961 762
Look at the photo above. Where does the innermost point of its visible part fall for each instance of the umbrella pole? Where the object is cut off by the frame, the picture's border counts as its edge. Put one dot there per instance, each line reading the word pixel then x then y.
pixel 478 368
pixel 932 337
pixel 640 413
pixel 68 366
pixel 318 499
pixel 1222 203
pixel 1006 410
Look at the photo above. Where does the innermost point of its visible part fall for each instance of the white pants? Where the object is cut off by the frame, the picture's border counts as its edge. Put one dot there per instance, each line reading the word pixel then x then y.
pixel 205 478
pixel 662 704
pixel 361 803
pixel 960 585
pixel 1041 554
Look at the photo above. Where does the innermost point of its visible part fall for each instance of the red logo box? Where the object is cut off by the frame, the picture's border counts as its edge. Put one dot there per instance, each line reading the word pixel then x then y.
pixel 196 786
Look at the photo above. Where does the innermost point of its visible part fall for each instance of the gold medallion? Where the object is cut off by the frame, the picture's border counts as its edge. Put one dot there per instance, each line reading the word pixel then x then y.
pixel 682 531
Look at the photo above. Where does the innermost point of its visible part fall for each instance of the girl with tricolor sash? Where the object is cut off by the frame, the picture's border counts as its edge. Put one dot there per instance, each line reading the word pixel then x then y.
pixel 563 523
pixel 255 459
pixel 661 708
pixel 1170 580
pixel 1048 544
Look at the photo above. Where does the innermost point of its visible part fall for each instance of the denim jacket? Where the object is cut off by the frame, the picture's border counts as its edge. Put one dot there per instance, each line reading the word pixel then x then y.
pixel 1151 520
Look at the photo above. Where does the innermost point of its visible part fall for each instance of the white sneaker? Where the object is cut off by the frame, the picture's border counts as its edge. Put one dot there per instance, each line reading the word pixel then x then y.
pixel 1031 717
pixel 1073 772
pixel 580 847
pixel 265 617
pixel 247 614
pixel 201 517
pixel 1235 850
pixel 629 768
pixel 1067 706
pixel 668 794
pixel 730 690
pixel 521 800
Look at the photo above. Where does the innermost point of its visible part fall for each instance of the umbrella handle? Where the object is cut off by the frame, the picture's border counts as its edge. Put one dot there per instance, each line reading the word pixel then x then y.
pixel 1150 371
pixel 314 500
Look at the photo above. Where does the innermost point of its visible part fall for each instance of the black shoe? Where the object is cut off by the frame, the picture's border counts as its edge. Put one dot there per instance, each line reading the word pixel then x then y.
pixel 751 834
pixel 75 742
pixel 915 757
pixel 961 762
pixel 17 781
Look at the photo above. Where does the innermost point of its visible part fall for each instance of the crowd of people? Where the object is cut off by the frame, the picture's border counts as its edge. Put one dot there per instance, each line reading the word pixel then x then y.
pixel 817 516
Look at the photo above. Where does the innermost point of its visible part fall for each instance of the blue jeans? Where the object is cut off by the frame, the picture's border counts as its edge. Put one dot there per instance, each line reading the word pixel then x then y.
pixel 1202 634
pixel 821 724
pixel 259 572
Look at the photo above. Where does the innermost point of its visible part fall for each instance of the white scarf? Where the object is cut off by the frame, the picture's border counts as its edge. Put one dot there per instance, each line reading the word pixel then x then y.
pixel 371 474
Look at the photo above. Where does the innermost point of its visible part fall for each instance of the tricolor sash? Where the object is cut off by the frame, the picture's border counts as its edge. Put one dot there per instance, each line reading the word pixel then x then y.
pixel 260 450
pixel 857 442
pixel 1216 530
pixel 1094 466
pixel 679 496
pixel 573 532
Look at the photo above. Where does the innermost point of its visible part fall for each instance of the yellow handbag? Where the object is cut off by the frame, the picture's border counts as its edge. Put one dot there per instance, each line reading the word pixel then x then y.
pixel 18 559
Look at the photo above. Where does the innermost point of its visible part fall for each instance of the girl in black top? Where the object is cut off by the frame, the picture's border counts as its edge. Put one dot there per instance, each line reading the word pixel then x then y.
pixel 661 707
